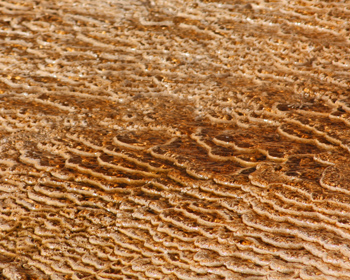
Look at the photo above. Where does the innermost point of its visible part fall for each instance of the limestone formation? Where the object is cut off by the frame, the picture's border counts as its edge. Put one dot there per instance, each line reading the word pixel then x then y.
pixel 170 139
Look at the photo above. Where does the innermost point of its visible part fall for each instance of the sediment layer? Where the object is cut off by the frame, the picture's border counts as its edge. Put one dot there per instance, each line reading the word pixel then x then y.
pixel 174 140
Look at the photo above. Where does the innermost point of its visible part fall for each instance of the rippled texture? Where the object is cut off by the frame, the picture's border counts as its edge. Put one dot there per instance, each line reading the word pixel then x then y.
pixel 174 139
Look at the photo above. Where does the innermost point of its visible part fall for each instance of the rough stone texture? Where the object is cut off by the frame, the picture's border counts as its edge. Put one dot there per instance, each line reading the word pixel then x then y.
pixel 174 139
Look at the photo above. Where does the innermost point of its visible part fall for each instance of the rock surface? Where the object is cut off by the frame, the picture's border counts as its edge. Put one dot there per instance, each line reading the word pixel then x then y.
pixel 174 139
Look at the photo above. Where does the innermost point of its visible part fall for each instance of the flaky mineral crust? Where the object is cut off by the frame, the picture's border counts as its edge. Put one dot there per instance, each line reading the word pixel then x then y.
pixel 174 139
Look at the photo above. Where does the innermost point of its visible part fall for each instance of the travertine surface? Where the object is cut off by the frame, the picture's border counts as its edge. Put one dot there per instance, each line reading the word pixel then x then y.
pixel 172 139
